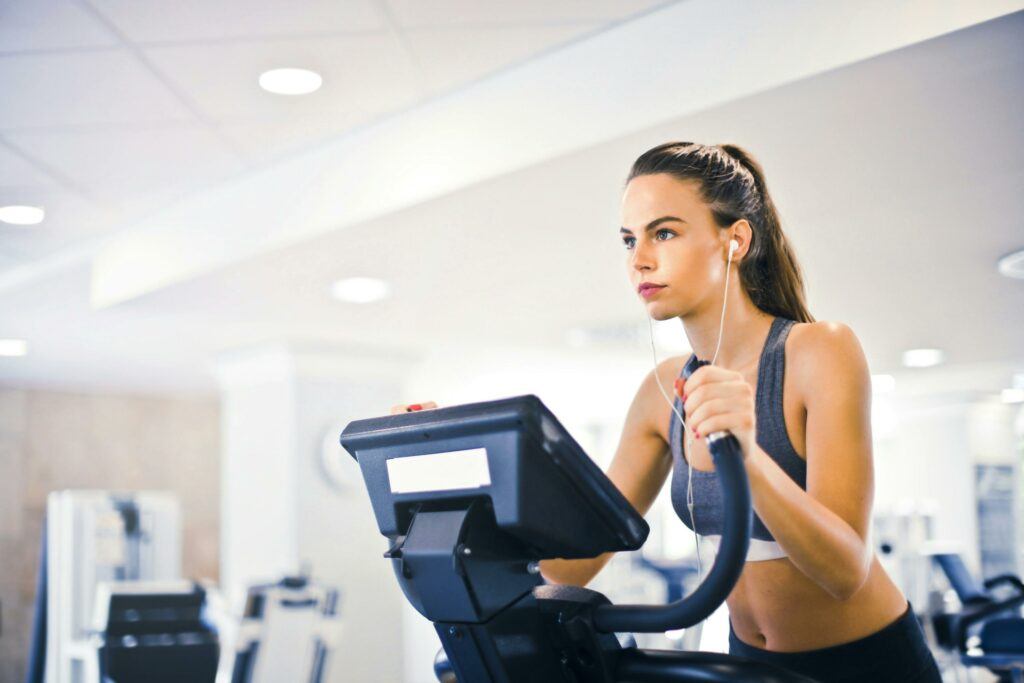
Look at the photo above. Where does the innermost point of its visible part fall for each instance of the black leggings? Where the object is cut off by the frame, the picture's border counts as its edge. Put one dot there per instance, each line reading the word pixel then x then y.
pixel 898 653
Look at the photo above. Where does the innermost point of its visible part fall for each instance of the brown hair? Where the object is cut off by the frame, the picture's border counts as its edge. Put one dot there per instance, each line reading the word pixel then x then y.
pixel 732 184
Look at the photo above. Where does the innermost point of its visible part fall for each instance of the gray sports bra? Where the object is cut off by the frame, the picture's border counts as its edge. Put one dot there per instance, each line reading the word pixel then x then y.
pixel 771 437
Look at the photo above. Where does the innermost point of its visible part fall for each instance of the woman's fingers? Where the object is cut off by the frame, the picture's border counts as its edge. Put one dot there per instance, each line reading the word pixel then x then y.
pixel 718 390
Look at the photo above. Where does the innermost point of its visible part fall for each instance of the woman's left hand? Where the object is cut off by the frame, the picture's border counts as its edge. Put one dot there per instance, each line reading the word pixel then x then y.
pixel 720 400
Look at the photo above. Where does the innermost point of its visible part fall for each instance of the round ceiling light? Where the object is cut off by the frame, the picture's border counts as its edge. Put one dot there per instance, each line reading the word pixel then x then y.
pixel 22 215
pixel 290 81
pixel 1012 265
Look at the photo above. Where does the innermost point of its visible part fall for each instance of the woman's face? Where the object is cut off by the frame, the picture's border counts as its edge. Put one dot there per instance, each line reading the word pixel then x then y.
pixel 671 239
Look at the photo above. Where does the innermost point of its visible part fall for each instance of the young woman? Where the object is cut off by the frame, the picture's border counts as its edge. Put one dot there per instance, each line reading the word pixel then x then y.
pixel 812 597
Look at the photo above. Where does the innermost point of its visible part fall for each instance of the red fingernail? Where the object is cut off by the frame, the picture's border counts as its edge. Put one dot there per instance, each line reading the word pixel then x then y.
pixel 415 406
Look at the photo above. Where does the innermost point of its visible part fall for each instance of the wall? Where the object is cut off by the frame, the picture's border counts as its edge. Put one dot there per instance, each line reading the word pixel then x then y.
pixel 51 440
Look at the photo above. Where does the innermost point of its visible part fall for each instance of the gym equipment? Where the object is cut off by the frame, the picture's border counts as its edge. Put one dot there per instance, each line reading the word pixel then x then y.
pixel 999 645
pixel 472 496
pixel 288 628
pixel 152 632
pixel 93 537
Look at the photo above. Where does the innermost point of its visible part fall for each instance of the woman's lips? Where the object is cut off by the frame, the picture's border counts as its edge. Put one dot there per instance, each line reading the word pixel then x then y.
pixel 648 292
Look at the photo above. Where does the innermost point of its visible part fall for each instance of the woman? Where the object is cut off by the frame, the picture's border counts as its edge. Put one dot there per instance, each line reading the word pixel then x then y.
pixel 812 596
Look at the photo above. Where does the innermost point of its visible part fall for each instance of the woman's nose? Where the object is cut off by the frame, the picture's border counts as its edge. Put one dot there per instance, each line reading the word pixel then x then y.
pixel 641 259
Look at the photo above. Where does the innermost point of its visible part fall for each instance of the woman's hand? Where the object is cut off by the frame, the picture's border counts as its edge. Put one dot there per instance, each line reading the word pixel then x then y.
pixel 426 405
pixel 720 400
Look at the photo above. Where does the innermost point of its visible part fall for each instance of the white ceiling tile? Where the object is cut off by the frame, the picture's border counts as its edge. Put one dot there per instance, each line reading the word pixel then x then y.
pixel 372 73
pixel 411 13
pixel 125 166
pixel 70 220
pixel 262 140
pixel 49 25
pixel 7 260
pixel 67 89
pixel 453 56
pixel 16 172
pixel 183 20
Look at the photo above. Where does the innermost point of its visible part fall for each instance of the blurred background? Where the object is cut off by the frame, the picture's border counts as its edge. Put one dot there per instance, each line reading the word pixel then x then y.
pixel 229 228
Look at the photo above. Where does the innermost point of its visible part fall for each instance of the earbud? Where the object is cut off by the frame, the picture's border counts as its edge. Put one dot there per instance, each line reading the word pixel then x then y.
pixel 733 246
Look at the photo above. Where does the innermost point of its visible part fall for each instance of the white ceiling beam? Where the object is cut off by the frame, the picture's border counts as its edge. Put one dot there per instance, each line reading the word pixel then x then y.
pixel 676 60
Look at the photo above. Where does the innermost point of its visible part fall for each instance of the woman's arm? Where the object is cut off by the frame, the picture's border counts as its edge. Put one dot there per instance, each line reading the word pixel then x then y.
pixel 639 469
pixel 825 528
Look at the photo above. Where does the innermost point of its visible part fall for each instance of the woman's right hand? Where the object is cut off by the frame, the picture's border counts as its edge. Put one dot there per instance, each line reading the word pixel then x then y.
pixel 412 407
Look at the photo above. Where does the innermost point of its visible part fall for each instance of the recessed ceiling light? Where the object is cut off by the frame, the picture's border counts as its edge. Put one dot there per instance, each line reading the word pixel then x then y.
pixel 883 384
pixel 22 215
pixel 1013 395
pixel 922 358
pixel 360 290
pixel 13 347
pixel 1012 265
pixel 290 81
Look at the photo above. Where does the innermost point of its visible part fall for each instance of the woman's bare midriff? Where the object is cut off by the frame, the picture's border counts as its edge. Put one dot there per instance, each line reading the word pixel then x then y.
pixel 774 605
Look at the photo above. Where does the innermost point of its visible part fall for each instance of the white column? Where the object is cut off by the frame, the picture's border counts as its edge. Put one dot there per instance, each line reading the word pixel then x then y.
pixel 282 409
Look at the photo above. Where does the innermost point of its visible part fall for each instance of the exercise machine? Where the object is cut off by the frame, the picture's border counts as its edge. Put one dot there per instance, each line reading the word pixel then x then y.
pixel 988 630
pixel 472 497
pixel 287 630
pixel 92 542
pixel 153 632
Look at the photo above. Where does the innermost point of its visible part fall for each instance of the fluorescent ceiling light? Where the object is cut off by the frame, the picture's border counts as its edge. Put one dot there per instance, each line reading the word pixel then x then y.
pixel 1013 395
pixel 290 81
pixel 922 358
pixel 1012 265
pixel 22 215
pixel 13 347
pixel 360 290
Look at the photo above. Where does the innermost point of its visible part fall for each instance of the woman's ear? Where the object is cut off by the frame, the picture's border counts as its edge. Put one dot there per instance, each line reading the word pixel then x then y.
pixel 739 233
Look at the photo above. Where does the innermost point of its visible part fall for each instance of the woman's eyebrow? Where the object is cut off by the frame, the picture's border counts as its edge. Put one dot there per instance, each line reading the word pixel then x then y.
pixel 653 224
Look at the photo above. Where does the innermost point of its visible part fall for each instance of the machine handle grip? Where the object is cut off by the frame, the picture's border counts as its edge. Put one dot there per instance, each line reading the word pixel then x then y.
pixel 732 555
pixel 1010 579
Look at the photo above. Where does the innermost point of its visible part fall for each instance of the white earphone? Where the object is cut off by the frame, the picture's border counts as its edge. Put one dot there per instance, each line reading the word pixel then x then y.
pixel 733 247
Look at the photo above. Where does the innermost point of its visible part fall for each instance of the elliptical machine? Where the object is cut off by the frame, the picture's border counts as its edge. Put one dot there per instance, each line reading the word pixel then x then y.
pixel 472 496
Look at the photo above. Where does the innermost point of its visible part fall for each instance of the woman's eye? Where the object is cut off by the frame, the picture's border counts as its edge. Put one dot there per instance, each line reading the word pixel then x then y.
pixel 628 241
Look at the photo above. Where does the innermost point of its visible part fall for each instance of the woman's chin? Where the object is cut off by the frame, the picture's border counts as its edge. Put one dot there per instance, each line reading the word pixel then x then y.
pixel 661 313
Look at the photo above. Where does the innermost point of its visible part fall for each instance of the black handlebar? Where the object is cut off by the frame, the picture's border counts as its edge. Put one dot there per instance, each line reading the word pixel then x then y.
pixel 732 554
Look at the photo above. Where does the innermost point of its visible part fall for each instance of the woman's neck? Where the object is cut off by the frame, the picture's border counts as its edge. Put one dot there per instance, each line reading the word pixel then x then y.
pixel 746 328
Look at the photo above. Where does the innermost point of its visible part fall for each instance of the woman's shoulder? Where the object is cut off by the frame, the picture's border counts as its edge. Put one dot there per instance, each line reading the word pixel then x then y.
pixel 650 401
pixel 825 349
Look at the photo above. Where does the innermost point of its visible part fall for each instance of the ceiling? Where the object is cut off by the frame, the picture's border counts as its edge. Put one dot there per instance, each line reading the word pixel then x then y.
pixel 898 179
pixel 114 108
